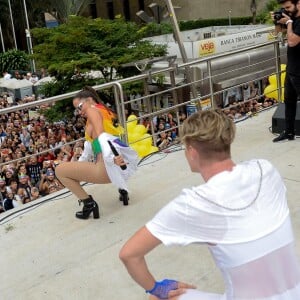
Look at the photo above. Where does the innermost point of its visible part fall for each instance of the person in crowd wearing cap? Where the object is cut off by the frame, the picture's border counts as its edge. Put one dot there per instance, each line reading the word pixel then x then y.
pixel 240 212
pixel 101 128
pixel 35 193
pixel 24 183
pixel 47 165
pixel 49 183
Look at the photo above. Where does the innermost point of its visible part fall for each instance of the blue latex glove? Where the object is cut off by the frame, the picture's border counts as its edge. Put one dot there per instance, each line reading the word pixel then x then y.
pixel 162 288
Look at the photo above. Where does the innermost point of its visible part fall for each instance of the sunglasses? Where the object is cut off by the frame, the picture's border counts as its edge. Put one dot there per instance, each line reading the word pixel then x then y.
pixel 79 107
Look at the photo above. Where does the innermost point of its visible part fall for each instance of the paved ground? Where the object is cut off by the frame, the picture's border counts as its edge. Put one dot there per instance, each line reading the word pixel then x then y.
pixel 45 253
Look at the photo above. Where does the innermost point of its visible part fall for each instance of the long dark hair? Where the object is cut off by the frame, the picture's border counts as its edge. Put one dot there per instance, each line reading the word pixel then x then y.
pixel 88 91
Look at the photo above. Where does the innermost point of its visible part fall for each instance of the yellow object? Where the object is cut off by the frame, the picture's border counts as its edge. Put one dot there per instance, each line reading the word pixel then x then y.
pixel 271 90
pixel 138 137
pixel 109 121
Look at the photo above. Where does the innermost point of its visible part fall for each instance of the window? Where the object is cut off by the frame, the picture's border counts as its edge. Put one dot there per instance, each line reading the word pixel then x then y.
pixel 141 5
pixel 110 9
pixel 207 35
pixel 126 9
pixel 93 9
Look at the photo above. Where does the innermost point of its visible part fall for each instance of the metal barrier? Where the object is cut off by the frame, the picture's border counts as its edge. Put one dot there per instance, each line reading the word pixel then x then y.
pixel 212 77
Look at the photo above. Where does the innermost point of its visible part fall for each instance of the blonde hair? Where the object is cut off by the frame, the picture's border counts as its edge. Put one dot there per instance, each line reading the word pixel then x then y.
pixel 209 132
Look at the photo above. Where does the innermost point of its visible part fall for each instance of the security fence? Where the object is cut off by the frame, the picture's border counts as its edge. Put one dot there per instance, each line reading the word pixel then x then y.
pixel 228 81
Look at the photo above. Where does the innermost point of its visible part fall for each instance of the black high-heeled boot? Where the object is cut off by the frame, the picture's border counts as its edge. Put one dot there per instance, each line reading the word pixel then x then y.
pixel 123 196
pixel 89 206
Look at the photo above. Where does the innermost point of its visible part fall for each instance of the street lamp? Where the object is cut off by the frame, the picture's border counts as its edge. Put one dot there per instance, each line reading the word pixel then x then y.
pixel 253 8
pixel 12 24
pixel 229 17
pixel 157 12
pixel 28 38
pixel 180 45
pixel 2 41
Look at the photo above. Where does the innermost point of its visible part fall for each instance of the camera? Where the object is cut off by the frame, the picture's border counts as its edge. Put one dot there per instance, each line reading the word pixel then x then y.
pixel 278 14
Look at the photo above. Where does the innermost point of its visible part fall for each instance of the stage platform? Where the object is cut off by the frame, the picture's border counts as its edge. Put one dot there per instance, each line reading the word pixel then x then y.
pixel 46 253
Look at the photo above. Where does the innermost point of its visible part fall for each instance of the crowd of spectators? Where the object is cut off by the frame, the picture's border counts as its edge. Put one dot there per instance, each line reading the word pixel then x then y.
pixel 32 77
pixel 241 110
pixel 166 128
pixel 31 148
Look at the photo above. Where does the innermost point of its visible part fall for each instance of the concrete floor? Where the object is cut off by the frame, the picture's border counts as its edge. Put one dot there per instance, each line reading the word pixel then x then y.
pixel 46 253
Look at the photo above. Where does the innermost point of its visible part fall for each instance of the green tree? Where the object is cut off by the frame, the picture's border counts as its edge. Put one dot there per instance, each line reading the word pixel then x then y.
pixel 70 51
pixel 265 16
pixel 35 12
pixel 84 44
pixel 13 60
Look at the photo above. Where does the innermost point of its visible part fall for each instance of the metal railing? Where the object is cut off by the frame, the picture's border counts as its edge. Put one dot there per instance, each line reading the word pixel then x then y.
pixel 236 68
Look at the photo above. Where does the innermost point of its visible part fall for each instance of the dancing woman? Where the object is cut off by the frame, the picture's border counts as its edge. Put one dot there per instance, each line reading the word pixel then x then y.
pixel 100 132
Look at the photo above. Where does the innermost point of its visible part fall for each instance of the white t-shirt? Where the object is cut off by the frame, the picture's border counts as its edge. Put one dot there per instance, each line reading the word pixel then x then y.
pixel 7 76
pixel 245 214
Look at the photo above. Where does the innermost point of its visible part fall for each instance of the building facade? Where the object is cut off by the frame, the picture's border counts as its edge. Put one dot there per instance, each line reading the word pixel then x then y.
pixel 185 9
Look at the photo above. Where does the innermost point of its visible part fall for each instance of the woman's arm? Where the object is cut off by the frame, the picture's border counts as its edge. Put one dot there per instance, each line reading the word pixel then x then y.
pixel 43 185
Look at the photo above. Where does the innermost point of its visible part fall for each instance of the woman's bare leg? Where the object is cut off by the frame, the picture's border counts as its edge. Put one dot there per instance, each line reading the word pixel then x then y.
pixel 71 174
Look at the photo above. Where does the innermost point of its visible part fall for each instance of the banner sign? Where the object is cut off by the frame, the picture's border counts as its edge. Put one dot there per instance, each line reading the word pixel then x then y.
pixel 231 42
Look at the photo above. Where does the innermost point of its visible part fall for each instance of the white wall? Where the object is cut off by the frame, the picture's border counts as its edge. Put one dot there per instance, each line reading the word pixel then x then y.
pixel 235 38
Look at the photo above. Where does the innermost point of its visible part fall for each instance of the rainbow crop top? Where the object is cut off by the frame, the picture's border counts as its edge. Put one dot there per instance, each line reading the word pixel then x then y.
pixel 108 126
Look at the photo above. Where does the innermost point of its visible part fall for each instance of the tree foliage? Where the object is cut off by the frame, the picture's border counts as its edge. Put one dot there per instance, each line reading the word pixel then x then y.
pixel 60 9
pixel 264 16
pixel 13 60
pixel 84 44
pixel 71 51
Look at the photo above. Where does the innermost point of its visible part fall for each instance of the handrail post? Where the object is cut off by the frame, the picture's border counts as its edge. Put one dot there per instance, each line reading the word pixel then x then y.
pixel 120 106
pixel 211 89
pixel 278 70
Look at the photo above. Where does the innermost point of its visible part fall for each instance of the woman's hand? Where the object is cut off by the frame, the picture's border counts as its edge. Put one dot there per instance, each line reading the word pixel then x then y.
pixel 174 294
pixel 118 160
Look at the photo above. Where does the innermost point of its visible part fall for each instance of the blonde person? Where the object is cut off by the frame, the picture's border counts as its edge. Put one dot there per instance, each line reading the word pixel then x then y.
pixel 240 213
pixel 107 167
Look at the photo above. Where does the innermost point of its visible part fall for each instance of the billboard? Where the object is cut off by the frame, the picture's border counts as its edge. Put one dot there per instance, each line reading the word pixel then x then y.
pixel 232 42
